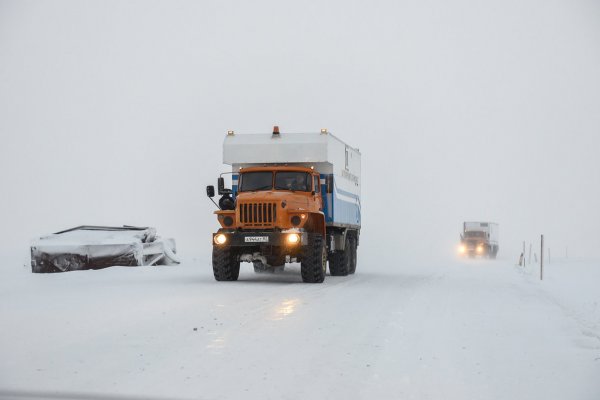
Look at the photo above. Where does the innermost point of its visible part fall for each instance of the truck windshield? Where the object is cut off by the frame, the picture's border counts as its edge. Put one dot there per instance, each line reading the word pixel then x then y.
pixel 474 234
pixel 292 180
pixel 251 181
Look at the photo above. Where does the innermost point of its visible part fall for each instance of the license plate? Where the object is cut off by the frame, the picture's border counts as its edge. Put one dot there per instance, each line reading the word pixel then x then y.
pixel 256 239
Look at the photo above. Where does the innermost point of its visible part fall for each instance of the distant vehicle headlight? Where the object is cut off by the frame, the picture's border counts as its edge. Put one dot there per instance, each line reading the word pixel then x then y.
pixel 480 249
pixel 220 239
pixel 462 248
pixel 293 238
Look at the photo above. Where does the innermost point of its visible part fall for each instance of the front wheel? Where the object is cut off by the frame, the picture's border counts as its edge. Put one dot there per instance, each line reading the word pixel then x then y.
pixel 314 260
pixel 226 266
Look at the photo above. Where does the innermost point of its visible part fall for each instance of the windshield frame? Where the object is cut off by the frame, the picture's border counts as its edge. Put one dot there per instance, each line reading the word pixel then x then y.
pixel 307 176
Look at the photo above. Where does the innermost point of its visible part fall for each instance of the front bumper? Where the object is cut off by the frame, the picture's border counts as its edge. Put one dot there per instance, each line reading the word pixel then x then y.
pixel 259 238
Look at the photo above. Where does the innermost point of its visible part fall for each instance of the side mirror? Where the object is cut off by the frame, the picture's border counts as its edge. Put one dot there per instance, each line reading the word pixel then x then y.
pixel 210 191
pixel 221 185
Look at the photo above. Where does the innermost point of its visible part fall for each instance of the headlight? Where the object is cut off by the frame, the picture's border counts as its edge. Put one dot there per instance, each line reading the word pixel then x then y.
pixel 480 249
pixel 228 221
pixel 462 248
pixel 220 239
pixel 293 238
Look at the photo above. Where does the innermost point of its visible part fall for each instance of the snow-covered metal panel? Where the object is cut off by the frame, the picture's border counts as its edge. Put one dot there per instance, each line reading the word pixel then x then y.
pixel 94 247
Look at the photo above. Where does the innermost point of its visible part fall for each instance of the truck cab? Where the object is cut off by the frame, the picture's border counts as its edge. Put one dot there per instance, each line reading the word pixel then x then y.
pixel 295 191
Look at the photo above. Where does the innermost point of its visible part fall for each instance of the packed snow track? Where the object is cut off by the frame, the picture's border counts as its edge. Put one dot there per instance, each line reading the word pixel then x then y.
pixel 459 330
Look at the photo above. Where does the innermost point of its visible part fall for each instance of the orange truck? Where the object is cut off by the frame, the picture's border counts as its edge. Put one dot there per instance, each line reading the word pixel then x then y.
pixel 294 197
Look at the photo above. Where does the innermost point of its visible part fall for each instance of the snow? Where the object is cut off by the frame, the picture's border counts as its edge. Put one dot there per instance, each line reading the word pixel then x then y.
pixel 472 329
pixel 94 237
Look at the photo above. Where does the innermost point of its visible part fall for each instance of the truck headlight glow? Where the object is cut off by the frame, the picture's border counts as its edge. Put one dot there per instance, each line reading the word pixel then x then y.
pixel 480 249
pixel 220 239
pixel 462 248
pixel 293 238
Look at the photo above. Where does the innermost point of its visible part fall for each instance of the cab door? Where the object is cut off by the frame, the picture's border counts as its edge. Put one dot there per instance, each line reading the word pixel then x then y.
pixel 316 192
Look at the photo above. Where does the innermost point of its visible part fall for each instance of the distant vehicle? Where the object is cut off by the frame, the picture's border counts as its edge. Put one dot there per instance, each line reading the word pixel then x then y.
pixel 479 239
pixel 295 197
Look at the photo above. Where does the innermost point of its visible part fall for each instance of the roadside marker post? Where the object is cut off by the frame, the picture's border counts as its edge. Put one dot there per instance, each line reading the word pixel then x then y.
pixel 542 259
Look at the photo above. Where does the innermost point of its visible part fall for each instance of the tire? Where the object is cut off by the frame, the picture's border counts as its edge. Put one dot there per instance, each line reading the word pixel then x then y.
pixel 226 266
pixel 353 258
pixel 314 260
pixel 339 262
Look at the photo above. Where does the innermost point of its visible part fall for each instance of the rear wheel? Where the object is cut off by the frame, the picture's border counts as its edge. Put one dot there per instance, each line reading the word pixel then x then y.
pixel 339 262
pixel 226 266
pixel 352 261
pixel 314 260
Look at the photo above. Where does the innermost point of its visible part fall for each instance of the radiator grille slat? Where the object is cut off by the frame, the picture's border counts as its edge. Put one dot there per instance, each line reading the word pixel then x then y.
pixel 257 214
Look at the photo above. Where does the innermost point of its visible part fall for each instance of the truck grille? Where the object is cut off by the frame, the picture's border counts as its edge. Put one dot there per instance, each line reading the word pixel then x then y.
pixel 258 214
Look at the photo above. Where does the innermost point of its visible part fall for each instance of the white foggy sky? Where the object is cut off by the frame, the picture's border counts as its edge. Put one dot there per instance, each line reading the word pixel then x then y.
pixel 114 113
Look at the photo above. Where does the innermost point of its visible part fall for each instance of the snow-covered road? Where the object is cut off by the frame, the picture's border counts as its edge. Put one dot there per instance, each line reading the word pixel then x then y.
pixel 456 330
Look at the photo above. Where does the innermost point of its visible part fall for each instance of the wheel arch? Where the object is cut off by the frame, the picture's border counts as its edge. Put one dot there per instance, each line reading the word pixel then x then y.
pixel 315 223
